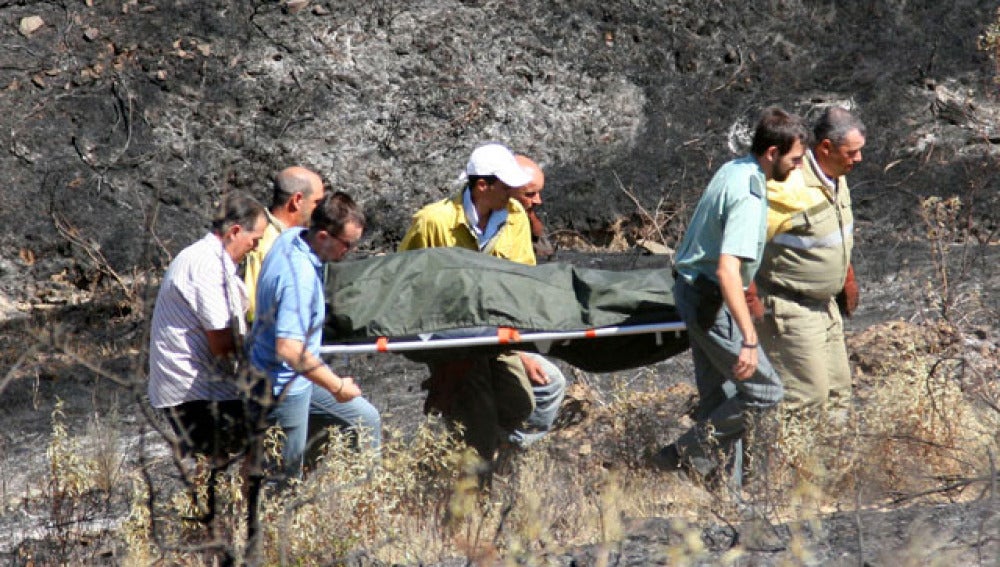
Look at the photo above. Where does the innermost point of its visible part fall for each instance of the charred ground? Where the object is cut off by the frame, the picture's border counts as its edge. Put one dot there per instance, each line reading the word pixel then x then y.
pixel 125 121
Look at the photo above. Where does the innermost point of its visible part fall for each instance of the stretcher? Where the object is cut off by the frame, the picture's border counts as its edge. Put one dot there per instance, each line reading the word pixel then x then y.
pixel 425 304
pixel 506 337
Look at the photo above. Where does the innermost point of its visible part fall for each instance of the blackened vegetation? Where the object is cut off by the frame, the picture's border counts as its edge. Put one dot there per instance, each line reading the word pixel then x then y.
pixel 124 123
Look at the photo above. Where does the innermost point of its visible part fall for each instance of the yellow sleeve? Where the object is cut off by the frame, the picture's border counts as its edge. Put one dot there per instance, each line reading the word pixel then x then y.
pixel 432 227
pixel 416 237
pixel 784 199
pixel 521 250
pixel 251 270
pixel 252 264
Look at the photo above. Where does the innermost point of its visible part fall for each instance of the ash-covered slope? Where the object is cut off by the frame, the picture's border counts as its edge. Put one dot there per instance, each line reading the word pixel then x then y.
pixel 124 121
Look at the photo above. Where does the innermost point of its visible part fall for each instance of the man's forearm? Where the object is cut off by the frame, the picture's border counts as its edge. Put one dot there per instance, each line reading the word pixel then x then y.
pixel 220 342
pixel 731 287
pixel 294 353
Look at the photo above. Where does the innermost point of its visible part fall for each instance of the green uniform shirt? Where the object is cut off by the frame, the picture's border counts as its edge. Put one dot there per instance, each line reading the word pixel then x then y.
pixel 731 218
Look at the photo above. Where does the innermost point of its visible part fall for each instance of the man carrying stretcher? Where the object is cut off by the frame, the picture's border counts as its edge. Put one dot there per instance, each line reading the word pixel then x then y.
pixel 491 396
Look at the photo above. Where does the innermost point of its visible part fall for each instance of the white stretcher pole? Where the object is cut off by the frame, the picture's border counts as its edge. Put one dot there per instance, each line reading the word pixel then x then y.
pixel 425 342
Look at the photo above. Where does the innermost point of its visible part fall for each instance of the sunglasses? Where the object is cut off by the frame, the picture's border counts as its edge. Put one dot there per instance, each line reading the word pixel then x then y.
pixel 348 245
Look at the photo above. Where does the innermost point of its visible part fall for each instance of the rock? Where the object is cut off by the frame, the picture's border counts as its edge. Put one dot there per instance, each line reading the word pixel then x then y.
pixel 91 34
pixel 295 6
pixel 654 247
pixel 30 24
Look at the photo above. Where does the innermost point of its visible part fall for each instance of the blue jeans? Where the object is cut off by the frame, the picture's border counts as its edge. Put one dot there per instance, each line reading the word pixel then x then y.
pixel 548 398
pixel 724 404
pixel 305 416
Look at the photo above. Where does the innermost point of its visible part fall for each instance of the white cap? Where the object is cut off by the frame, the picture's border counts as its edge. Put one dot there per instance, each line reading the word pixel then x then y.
pixel 497 161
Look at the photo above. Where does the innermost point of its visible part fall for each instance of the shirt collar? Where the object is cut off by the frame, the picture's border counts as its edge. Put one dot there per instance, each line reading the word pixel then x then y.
pixel 493 224
pixel 299 242
pixel 830 184
pixel 216 244
pixel 275 222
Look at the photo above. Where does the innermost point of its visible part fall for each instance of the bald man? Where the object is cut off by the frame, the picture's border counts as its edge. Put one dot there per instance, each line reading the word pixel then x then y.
pixel 296 190
pixel 548 382
pixel 530 196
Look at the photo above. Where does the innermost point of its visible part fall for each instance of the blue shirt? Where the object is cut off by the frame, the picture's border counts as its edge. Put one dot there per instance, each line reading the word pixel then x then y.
pixel 731 218
pixel 290 305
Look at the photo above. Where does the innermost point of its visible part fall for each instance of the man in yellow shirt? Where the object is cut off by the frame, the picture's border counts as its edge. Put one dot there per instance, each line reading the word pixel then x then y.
pixel 490 396
pixel 296 190
pixel 807 263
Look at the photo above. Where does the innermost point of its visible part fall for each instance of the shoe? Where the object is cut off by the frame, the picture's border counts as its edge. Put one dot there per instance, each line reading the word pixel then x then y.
pixel 506 457
pixel 667 459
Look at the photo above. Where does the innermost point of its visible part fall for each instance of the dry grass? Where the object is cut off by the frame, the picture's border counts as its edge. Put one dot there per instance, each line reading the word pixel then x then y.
pixel 924 428
pixel 921 430
pixel 913 436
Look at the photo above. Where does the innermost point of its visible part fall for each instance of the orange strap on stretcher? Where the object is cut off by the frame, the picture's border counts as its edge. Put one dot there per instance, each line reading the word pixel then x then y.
pixel 590 333
pixel 507 335
pixel 382 344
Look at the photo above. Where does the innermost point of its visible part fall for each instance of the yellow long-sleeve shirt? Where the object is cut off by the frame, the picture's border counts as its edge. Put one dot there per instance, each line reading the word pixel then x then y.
pixel 443 224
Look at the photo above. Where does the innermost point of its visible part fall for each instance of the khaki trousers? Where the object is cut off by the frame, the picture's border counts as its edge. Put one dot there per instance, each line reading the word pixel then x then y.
pixel 489 396
pixel 805 343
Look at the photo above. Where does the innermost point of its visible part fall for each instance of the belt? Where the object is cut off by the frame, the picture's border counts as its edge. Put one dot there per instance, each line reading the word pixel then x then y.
pixel 701 284
pixel 793 296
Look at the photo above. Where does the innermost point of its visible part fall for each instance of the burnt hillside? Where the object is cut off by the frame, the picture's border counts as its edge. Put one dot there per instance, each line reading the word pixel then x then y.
pixel 125 120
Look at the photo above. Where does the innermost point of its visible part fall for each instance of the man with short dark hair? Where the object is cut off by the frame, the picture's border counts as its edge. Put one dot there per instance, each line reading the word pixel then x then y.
pixel 807 266
pixel 197 326
pixel 489 396
pixel 716 261
pixel 295 192
pixel 287 335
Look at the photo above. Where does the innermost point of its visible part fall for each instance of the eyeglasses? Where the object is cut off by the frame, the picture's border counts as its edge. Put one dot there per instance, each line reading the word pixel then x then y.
pixel 348 245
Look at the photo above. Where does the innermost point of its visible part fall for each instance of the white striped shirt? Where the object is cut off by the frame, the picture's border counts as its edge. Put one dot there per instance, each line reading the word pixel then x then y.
pixel 200 292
